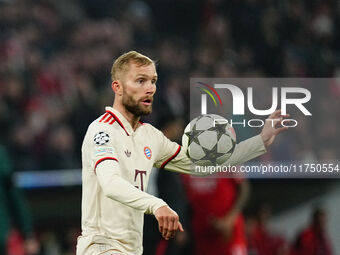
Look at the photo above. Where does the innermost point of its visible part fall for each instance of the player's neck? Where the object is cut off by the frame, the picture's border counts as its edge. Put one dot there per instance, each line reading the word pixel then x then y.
pixel 130 117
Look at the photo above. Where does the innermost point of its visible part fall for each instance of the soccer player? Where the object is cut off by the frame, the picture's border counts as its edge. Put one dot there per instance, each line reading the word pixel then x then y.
pixel 118 154
pixel 217 220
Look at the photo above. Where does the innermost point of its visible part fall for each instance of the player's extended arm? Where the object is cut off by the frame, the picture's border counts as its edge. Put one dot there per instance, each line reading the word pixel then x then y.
pixel 118 189
pixel 244 151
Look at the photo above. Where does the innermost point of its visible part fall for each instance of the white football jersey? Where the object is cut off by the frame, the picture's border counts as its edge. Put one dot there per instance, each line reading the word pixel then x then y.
pixel 117 163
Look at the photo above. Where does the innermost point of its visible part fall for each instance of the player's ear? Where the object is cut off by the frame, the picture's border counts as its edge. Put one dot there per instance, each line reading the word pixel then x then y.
pixel 117 87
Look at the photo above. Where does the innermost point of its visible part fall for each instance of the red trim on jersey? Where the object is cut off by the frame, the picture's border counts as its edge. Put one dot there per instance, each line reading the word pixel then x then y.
pixel 107 120
pixel 112 121
pixel 105 115
pixel 118 120
pixel 172 157
pixel 103 159
pixel 142 123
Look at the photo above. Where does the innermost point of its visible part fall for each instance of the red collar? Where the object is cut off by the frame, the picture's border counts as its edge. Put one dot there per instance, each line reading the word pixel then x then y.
pixel 118 120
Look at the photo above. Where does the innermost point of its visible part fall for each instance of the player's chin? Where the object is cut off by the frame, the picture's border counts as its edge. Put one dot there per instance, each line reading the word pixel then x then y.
pixel 146 109
pixel 149 111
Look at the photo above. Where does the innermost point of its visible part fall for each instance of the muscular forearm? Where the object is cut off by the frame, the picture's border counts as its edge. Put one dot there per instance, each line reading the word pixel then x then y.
pixel 118 189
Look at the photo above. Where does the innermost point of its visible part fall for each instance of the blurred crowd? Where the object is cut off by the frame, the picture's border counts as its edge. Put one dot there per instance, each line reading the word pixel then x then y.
pixel 56 56
pixel 55 60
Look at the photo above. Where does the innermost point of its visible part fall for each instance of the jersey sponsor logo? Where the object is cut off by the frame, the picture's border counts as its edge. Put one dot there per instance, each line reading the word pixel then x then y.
pixel 140 173
pixel 101 138
pixel 147 152
pixel 103 150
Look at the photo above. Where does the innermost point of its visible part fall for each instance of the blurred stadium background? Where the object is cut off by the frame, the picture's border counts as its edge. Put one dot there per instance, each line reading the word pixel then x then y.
pixel 55 60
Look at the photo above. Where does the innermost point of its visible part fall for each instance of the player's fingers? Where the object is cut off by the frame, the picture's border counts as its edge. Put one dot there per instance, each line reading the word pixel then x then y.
pixel 278 122
pixel 176 222
pixel 160 224
pixel 275 114
pixel 272 122
pixel 175 227
pixel 171 230
pixel 165 226
pixel 279 130
pixel 180 227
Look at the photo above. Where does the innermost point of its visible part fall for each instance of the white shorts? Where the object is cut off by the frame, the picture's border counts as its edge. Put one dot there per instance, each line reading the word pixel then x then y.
pixel 90 246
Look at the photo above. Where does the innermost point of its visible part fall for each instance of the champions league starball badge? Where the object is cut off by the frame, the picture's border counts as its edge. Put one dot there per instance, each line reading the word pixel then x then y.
pixel 101 138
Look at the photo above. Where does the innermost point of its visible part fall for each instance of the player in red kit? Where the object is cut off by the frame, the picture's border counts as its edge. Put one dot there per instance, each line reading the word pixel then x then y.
pixel 218 224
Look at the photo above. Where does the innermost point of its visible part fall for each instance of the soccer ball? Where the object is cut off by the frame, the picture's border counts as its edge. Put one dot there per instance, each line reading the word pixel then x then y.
pixel 209 140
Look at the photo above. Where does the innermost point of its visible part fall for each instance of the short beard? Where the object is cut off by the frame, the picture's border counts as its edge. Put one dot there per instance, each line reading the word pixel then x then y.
pixel 132 106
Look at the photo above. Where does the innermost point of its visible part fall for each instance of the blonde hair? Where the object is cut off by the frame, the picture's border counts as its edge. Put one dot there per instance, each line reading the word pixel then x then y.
pixel 122 63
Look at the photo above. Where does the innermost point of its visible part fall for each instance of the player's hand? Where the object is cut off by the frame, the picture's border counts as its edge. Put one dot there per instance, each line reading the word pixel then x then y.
pixel 272 128
pixel 168 222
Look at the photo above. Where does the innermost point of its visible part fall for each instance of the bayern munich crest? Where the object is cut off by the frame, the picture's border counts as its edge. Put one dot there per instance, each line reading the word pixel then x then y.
pixel 101 138
pixel 147 152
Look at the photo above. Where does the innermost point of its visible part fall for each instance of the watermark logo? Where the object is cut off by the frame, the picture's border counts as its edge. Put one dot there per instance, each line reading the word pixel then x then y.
pixel 209 90
pixel 280 99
